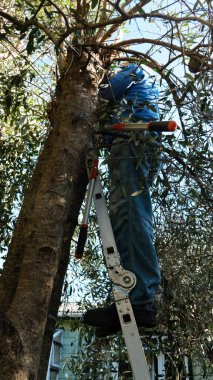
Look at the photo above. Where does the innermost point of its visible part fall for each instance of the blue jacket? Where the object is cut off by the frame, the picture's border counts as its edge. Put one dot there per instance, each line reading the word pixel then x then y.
pixel 140 95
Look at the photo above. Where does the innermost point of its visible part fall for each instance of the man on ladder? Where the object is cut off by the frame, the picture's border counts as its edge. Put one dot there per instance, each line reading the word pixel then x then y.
pixel 133 166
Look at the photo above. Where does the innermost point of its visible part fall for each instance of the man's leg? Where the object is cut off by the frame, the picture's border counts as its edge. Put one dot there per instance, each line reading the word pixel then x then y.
pixel 131 218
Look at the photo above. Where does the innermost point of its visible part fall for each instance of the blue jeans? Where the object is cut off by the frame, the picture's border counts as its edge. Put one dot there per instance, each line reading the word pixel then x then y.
pixel 132 169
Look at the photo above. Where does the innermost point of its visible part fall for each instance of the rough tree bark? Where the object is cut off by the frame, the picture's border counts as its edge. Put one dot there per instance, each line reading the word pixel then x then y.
pixel 37 257
pixel 72 220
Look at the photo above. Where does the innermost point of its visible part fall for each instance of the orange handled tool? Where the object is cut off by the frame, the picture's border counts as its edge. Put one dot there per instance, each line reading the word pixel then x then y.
pixel 152 126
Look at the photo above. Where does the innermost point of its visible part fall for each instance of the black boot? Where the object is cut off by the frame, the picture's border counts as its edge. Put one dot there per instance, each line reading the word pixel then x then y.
pixel 101 316
pixel 107 322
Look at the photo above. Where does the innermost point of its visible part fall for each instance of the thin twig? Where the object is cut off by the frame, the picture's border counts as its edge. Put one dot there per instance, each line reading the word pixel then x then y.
pixel 38 9
pixel 60 12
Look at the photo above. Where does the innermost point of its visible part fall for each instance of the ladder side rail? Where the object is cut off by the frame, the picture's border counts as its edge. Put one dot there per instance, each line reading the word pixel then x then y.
pixel 124 281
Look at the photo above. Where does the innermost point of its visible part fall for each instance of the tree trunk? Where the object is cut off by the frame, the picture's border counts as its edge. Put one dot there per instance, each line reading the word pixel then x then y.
pixel 72 220
pixel 36 256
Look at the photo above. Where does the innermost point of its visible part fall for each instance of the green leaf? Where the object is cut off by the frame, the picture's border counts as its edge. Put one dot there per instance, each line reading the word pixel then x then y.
pixel 189 76
pixel 30 47
pixel 2 36
pixel 15 80
pixel 8 100
pixel 6 28
pixel 23 35
pixel 40 39
pixel 140 9
pixel 94 3
pixel 24 129
pixel 35 32
pixel 21 120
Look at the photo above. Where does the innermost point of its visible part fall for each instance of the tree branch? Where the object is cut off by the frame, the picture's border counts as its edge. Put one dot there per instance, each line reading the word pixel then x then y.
pixel 119 20
pixel 189 170
pixel 186 167
pixel 131 11
pixel 118 8
pixel 91 26
pixel 15 21
pixel 140 55
pixel 38 9
pixel 176 19
pixel 60 12
pixel 137 41
pixel 24 25
pixel 119 47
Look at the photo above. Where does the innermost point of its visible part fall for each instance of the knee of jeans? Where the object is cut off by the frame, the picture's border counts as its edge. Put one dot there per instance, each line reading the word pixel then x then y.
pixel 147 227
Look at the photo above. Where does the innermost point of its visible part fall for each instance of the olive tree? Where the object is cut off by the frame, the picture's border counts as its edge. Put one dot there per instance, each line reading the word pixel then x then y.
pixel 78 41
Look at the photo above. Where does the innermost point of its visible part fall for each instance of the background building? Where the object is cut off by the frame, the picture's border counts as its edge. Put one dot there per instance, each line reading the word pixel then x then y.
pixel 75 355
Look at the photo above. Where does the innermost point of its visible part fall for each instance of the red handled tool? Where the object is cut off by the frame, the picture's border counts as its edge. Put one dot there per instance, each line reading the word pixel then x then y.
pixel 123 280
pixel 84 225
